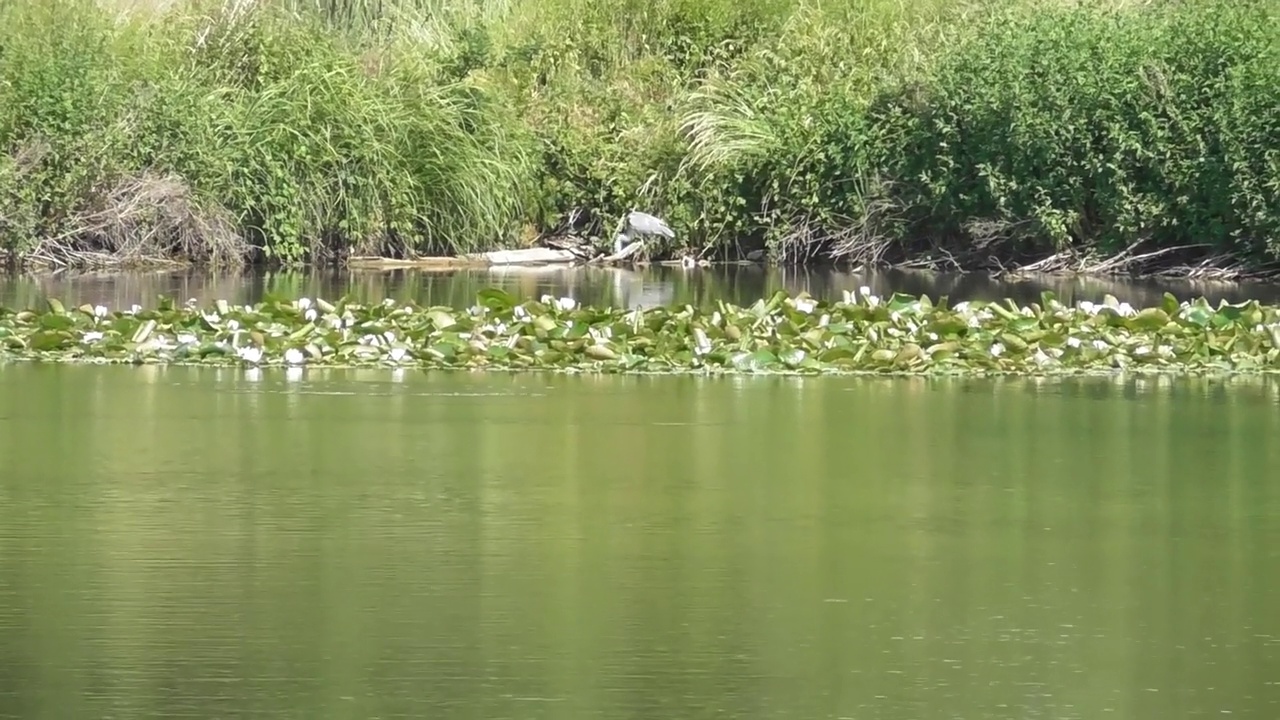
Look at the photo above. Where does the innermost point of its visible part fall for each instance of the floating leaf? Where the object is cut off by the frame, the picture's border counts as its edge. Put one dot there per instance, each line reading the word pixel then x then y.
pixel 780 334
pixel 49 340
pixel 144 331
pixel 1150 319
pixel 495 299
pixel 441 319
pixel 600 352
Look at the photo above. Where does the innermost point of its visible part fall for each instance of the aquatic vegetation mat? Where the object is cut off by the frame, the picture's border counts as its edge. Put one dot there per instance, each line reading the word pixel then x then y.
pixel 860 333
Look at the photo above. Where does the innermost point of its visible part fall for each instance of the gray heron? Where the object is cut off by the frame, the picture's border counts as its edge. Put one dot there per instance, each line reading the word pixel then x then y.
pixel 638 223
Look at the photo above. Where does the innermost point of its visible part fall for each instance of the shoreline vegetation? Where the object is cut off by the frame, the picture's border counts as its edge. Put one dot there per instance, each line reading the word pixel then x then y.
pixel 859 334
pixel 1078 136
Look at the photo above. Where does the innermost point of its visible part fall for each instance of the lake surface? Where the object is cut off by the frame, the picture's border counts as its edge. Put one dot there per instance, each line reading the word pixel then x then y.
pixel 217 543
pixel 598 285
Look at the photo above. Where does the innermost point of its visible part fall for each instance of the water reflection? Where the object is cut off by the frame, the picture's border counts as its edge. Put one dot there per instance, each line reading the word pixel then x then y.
pixel 612 286
pixel 191 542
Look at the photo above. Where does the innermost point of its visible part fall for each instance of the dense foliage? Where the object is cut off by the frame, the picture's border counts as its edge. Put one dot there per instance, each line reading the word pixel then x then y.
pixel 861 333
pixel 996 132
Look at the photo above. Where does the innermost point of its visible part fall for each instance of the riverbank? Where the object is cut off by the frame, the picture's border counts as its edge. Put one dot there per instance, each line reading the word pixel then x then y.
pixel 1006 135
pixel 859 334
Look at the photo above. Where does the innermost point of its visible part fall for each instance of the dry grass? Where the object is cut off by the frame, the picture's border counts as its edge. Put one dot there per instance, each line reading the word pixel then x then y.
pixel 144 220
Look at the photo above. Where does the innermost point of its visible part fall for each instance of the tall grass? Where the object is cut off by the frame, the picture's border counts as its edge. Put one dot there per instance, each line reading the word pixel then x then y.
pixel 960 132
pixel 310 144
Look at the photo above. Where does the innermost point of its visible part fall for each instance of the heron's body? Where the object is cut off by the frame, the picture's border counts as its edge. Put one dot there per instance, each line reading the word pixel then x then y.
pixel 637 224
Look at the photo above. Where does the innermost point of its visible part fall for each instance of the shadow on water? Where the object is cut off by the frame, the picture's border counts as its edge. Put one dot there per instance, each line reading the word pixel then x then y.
pixel 600 286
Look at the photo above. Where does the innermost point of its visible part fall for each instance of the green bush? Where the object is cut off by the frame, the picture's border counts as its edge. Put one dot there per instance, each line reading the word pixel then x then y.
pixel 856 129
pixel 312 145
pixel 1065 127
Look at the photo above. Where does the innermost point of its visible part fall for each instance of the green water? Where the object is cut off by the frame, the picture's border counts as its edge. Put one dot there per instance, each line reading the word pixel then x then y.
pixel 233 544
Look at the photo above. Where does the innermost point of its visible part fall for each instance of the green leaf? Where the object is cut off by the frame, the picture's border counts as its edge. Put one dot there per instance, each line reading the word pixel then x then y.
pixel 49 340
pixel 441 319
pixel 57 321
pixel 144 331
pixel 758 360
pixel 495 299
pixel 1150 319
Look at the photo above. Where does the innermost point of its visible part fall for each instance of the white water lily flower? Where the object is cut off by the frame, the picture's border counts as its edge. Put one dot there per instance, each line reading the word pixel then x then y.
pixel 997 349
pixel 894 316
pixel 310 315
pixel 186 339
pixel 303 303
pixel 1165 351
pixel 389 302
pixel 962 307
pixel 519 313
pixel 135 309
pixel 1142 350
pixel 864 291
pixel 1040 357
pixel 294 356
pixel 805 305
pixel 92 336
pixel 100 311
pixel 824 321
pixel 933 337
pixel 1126 310
pixel 702 344
pixel 1073 341
pixel 974 321
pixel 1088 307
pixel 213 318
pixel 1101 345
pixel 390 336
pixel 873 301
pixel 566 303
pixel 368 340
pixel 233 325
pixel 250 354
pixel 397 354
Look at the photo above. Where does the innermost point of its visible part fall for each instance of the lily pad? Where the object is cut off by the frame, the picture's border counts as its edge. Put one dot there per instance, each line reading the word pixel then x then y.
pixel 860 333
